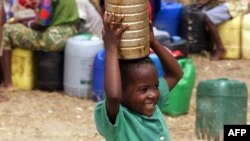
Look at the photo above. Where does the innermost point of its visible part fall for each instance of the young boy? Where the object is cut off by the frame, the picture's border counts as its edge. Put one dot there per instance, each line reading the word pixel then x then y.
pixel 133 91
pixel 220 14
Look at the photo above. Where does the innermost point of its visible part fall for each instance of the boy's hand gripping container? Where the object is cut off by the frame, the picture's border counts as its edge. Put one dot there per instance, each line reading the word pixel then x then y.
pixel 135 40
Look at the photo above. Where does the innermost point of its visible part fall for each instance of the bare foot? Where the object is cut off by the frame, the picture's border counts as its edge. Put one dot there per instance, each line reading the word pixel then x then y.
pixel 3 98
pixel 7 89
pixel 218 55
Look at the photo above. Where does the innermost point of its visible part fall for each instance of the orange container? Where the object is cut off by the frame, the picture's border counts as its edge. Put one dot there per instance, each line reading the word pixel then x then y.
pixel 135 40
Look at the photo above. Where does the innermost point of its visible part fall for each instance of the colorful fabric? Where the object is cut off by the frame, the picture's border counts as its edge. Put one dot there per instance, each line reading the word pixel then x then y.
pixel 27 3
pixel 64 12
pixel 130 126
pixel 45 13
pixel 237 7
pixel 53 39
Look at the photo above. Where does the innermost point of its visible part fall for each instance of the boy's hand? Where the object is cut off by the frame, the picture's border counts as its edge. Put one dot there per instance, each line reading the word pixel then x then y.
pixel 112 31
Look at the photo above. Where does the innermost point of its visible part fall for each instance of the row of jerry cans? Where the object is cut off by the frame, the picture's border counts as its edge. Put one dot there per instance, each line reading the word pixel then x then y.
pixel 235 37
pixel 176 19
pixel 37 69
pixel 69 70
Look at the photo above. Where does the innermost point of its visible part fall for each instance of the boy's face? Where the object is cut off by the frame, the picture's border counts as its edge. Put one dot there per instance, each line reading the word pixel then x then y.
pixel 142 92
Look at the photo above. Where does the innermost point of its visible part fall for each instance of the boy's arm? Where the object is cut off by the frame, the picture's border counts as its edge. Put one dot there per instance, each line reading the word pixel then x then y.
pixel 112 79
pixel 173 71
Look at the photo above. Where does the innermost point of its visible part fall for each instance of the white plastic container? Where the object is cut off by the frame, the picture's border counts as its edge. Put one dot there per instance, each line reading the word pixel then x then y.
pixel 79 55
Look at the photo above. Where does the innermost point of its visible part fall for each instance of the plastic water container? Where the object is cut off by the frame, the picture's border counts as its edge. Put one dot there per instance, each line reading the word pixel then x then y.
pixel 156 5
pixel 168 18
pixel 49 70
pixel 80 52
pixel 135 40
pixel 98 76
pixel 180 96
pixel 230 33
pixel 178 46
pixel 245 48
pixel 193 29
pixel 157 64
pixel 220 102
pixel 22 69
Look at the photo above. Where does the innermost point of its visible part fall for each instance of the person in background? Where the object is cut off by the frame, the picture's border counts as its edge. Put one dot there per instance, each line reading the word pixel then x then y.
pixel 49 30
pixel 91 20
pixel 223 12
pixel 135 96
pixel 2 21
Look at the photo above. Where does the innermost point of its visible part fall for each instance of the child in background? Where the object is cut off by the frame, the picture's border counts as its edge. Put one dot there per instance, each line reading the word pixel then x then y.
pixel 134 94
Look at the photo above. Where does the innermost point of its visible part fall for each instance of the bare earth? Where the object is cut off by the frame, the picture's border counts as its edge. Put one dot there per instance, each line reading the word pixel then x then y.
pixel 41 116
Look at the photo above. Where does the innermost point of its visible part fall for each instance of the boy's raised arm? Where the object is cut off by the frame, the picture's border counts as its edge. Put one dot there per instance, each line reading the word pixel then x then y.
pixel 173 71
pixel 112 80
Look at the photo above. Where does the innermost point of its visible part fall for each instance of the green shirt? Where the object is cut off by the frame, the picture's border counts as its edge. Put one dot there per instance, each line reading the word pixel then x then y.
pixel 130 126
pixel 64 12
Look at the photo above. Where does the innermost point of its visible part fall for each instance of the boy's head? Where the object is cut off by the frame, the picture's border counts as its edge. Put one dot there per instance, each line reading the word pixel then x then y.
pixel 139 85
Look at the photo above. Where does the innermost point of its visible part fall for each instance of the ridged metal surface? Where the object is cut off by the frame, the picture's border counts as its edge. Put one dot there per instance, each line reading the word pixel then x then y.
pixel 135 40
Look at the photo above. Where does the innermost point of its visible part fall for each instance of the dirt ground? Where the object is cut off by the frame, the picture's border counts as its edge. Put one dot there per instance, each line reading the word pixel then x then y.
pixel 41 116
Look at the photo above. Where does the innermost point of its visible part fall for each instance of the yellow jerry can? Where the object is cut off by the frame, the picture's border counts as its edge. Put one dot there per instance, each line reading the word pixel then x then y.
pixel 245 44
pixel 22 69
pixel 230 33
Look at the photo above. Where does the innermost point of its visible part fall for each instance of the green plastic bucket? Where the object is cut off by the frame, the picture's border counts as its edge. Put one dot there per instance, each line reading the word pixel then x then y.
pixel 179 98
pixel 219 102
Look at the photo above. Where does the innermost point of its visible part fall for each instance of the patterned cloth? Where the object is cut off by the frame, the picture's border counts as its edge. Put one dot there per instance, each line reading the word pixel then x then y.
pixel 45 13
pixel 60 28
pixel 53 39
pixel 237 7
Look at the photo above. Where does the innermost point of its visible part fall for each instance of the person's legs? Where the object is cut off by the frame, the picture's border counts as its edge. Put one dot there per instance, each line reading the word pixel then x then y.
pixel 6 70
pixel 220 50
pixel 213 18
pixel 12 35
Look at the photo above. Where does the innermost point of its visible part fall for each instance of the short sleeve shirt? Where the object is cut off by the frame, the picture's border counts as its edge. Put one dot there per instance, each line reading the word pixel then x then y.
pixel 130 126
